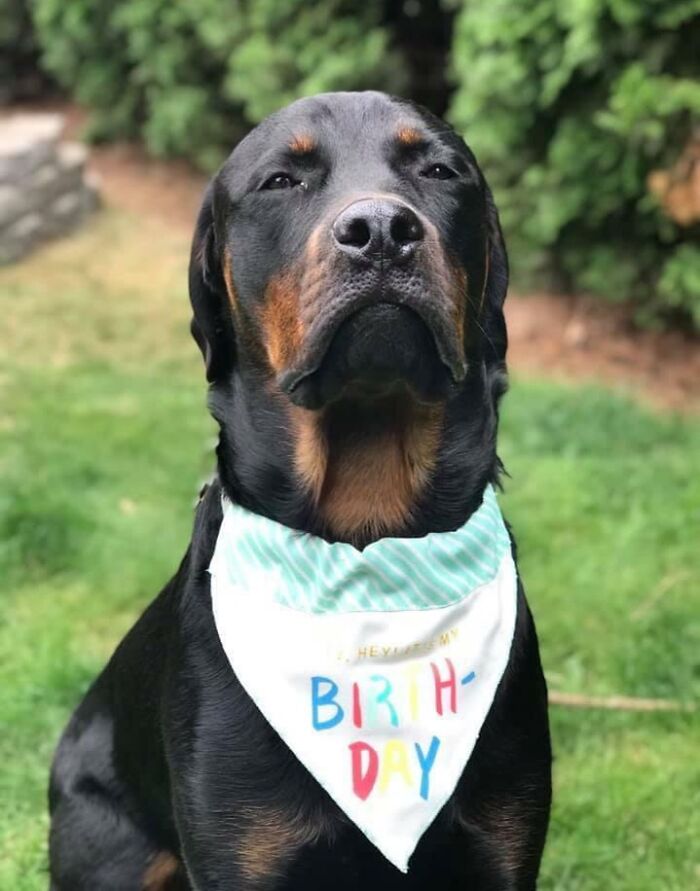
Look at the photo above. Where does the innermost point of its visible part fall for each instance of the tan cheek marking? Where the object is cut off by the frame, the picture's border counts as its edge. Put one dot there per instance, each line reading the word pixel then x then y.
pixel 160 871
pixel 449 278
pixel 282 326
pixel 292 302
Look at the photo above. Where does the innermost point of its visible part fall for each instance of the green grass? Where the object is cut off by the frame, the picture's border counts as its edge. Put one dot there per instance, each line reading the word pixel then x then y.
pixel 104 437
pixel 605 502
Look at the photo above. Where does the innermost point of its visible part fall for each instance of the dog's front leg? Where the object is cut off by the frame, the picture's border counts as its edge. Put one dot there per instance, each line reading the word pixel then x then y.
pixel 244 805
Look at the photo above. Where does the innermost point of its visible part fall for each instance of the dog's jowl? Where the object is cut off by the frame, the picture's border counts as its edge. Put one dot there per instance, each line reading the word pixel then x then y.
pixel 340 687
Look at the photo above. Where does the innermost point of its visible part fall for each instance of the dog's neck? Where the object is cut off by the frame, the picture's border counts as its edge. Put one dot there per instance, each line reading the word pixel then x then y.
pixel 358 471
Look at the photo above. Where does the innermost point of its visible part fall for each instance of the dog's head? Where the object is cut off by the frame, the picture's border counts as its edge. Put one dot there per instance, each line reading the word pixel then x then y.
pixel 349 253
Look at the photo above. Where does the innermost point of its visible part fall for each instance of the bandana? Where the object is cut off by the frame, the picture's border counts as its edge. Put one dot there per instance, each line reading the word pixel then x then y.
pixel 377 668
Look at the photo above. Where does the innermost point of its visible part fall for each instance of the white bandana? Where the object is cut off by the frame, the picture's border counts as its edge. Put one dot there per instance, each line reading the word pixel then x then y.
pixel 377 667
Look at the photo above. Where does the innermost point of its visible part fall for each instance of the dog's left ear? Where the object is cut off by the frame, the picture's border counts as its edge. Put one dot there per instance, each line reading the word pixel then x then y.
pixel 495 287
pixel 212 323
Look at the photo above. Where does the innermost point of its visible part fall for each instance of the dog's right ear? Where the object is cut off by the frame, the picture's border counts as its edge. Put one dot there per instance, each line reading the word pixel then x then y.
pixel 212 322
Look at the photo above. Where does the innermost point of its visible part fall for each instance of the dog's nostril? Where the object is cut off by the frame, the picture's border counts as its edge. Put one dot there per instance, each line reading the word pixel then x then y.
pixel 352 231
pixel 406 228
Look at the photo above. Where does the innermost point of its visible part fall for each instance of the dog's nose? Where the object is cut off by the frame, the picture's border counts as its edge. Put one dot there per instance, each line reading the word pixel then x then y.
pixel 378 231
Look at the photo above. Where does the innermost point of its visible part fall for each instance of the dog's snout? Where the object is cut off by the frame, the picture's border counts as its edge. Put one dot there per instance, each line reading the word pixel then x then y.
pixel 378 231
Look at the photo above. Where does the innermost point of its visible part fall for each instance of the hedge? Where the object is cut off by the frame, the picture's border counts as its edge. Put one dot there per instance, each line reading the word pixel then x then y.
pixel 583 113
pixel 190 76
pixel 586 114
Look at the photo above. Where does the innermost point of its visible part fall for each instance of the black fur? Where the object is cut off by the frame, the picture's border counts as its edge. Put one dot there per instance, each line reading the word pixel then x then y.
pixel 167 755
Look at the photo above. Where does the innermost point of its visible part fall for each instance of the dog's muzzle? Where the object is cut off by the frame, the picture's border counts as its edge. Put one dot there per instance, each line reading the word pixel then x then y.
pixel 384 313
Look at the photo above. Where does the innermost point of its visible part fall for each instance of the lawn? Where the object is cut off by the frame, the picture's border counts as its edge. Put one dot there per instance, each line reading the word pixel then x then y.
pixel 104 439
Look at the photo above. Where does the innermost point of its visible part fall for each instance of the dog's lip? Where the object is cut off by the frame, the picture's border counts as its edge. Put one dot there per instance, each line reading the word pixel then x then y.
pixel 449 351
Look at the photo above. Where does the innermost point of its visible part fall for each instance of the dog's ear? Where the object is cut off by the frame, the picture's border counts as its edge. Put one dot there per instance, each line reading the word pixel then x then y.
pixel 495 287
pixel 212 322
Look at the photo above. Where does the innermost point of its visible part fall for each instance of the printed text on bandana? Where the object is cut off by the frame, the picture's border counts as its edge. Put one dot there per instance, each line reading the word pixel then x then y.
pixel 396 698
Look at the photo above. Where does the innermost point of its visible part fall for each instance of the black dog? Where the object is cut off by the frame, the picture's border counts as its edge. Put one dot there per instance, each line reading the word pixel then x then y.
pixel 347 279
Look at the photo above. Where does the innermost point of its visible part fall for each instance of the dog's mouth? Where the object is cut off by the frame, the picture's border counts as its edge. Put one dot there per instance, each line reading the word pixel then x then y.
pixel 373 350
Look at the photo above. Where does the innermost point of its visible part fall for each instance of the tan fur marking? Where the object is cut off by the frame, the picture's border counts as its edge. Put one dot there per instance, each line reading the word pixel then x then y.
pixel 160 871
pixel 311 450
pixel 302 144
pixel 408 135
pixel 291 304
pixel 448 278
pixel 228 279
pixel 270 842
pixel 371 488
pixel 367 486
pixel 281 320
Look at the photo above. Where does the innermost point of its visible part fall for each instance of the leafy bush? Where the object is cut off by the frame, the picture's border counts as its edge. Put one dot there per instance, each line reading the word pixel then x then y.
pixel 575 109
pixel 584 113
pixel 191 77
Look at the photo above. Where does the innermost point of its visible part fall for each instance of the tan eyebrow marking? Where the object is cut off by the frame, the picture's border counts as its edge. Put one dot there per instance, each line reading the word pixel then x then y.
pixel 302 144
pixel 407 135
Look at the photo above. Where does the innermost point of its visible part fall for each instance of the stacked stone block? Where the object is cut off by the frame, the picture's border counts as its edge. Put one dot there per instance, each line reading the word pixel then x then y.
pixel 44 189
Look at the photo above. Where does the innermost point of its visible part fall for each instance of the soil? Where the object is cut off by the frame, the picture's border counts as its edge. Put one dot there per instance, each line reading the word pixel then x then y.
pixel 579 337
pixel 565 336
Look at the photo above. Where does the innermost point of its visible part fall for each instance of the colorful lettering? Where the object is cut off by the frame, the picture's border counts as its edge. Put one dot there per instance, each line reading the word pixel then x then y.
pixel 441 684
pixel 324 700
pixel 363 780
pixel 426 762
pixel 382 698
pixel 394 761
pixel 356 706
pixel 377 701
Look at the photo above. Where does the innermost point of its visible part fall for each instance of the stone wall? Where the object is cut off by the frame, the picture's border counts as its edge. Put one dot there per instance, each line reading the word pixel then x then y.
pixel 44 189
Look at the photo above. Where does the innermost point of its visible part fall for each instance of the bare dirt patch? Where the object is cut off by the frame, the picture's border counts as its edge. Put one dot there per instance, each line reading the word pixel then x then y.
pixel 581 338
pixel 167 190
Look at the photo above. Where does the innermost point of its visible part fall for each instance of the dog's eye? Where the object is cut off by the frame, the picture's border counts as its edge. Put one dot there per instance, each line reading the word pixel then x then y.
pixel 281 181
pixel 438 171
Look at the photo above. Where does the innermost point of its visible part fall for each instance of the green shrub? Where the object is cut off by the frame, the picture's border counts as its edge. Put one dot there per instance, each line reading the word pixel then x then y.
pixel 571 107
pixel 191 77
pixel 583 113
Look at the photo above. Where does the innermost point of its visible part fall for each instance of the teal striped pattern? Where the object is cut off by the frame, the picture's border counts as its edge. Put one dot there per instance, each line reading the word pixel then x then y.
pixel 307 573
